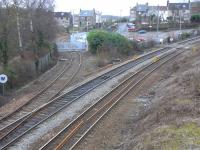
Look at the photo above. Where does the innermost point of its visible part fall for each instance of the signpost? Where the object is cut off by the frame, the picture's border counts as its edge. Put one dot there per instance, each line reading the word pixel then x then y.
pixel 3 80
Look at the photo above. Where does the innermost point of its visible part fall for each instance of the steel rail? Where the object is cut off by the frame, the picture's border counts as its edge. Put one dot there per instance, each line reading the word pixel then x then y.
pixel 80 118
pixel 16 123
pixel 80 123
pixel 5 141
pixel 109 105
pixel 103 115
pixel 42 90
pixel 114 104
pixel 146 55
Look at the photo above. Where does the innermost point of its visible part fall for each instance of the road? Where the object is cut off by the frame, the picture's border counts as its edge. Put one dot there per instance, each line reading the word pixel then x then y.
pixel 123 30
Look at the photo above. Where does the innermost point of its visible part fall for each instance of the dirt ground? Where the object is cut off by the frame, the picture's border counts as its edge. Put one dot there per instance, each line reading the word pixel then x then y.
pixel 162 114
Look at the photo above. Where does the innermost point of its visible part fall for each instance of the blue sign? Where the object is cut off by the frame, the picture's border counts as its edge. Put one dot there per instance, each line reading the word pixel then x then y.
pixel 3 78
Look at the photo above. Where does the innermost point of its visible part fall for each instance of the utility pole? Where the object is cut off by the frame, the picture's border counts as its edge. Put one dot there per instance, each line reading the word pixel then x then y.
pixel 120 15
pixel 87 24
pixel 180 20
pixel 157 27
pixel 73 21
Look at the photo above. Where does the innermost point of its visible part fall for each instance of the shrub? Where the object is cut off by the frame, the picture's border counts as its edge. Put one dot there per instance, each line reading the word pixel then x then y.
pixel 96 40
pixel 195 18
pixel 185 35
pixel 100 40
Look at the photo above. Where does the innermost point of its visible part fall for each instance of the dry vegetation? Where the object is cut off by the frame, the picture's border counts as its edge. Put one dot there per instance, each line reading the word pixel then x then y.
pixel 172 121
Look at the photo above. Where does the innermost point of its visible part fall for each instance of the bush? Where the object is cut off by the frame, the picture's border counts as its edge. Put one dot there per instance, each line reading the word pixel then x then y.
pixel 100 40
pixel 96 40
pixel 185 35
pixel 195 18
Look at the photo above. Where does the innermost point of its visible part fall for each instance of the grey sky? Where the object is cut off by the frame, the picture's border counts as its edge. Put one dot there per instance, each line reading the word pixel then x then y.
pixel 111 7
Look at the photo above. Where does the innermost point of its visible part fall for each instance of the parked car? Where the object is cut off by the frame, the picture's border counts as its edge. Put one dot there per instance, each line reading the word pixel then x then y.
pixel 130 25
pixel 140 39
pixel 142 31
pixel 131 29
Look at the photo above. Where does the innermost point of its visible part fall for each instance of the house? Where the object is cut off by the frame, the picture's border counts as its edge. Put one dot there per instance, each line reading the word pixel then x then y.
pixel 158 10
pixel 142 9
pixel 141 13
pixel 179 11
pixel 76 21
pixel 132 16
pixel 195 7
pixel 98 19
pixel 87 18
pixel 64 18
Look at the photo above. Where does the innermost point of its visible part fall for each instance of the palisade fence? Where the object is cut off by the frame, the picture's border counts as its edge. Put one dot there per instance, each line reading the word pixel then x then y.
pixel 44 62
pixel 26 71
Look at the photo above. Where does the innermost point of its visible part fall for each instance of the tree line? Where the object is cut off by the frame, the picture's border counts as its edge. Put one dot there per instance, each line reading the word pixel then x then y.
pixel 26 25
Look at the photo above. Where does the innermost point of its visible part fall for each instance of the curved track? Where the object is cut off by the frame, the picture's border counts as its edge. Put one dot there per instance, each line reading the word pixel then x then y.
pixel 70 136
pixel 57 104
pixel 52 90
pixel 74 132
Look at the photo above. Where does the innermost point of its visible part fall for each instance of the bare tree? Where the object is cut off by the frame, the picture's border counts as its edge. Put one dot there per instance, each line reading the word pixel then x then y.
pixel 27 24
pixel 5 25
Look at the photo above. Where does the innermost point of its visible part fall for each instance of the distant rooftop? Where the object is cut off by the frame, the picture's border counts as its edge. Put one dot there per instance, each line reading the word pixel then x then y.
pixel 162 8
pixel 87 13
pixel 142 7
pixel 62 14
pixel 178 6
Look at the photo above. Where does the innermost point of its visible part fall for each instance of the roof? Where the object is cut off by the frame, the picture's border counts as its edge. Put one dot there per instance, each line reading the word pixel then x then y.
pixel 62 14
pixel 87 13
pixel 133 9
pixel 142 7
pixel 178 6
pixel 161 8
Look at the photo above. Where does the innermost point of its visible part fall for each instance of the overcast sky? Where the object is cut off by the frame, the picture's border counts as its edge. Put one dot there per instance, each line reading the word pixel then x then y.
pixel 107 7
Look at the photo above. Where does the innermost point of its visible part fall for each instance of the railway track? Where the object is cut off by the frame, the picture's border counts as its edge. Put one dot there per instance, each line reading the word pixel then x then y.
pixel 71 135
pixel 52 90
pixel 44 112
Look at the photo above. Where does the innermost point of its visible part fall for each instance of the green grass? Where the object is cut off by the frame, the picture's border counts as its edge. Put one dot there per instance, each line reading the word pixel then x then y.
pixel 174 138
pixel 184 101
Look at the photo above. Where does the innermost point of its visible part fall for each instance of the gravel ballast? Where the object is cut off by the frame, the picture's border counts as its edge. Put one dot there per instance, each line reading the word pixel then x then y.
pixel 43 132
